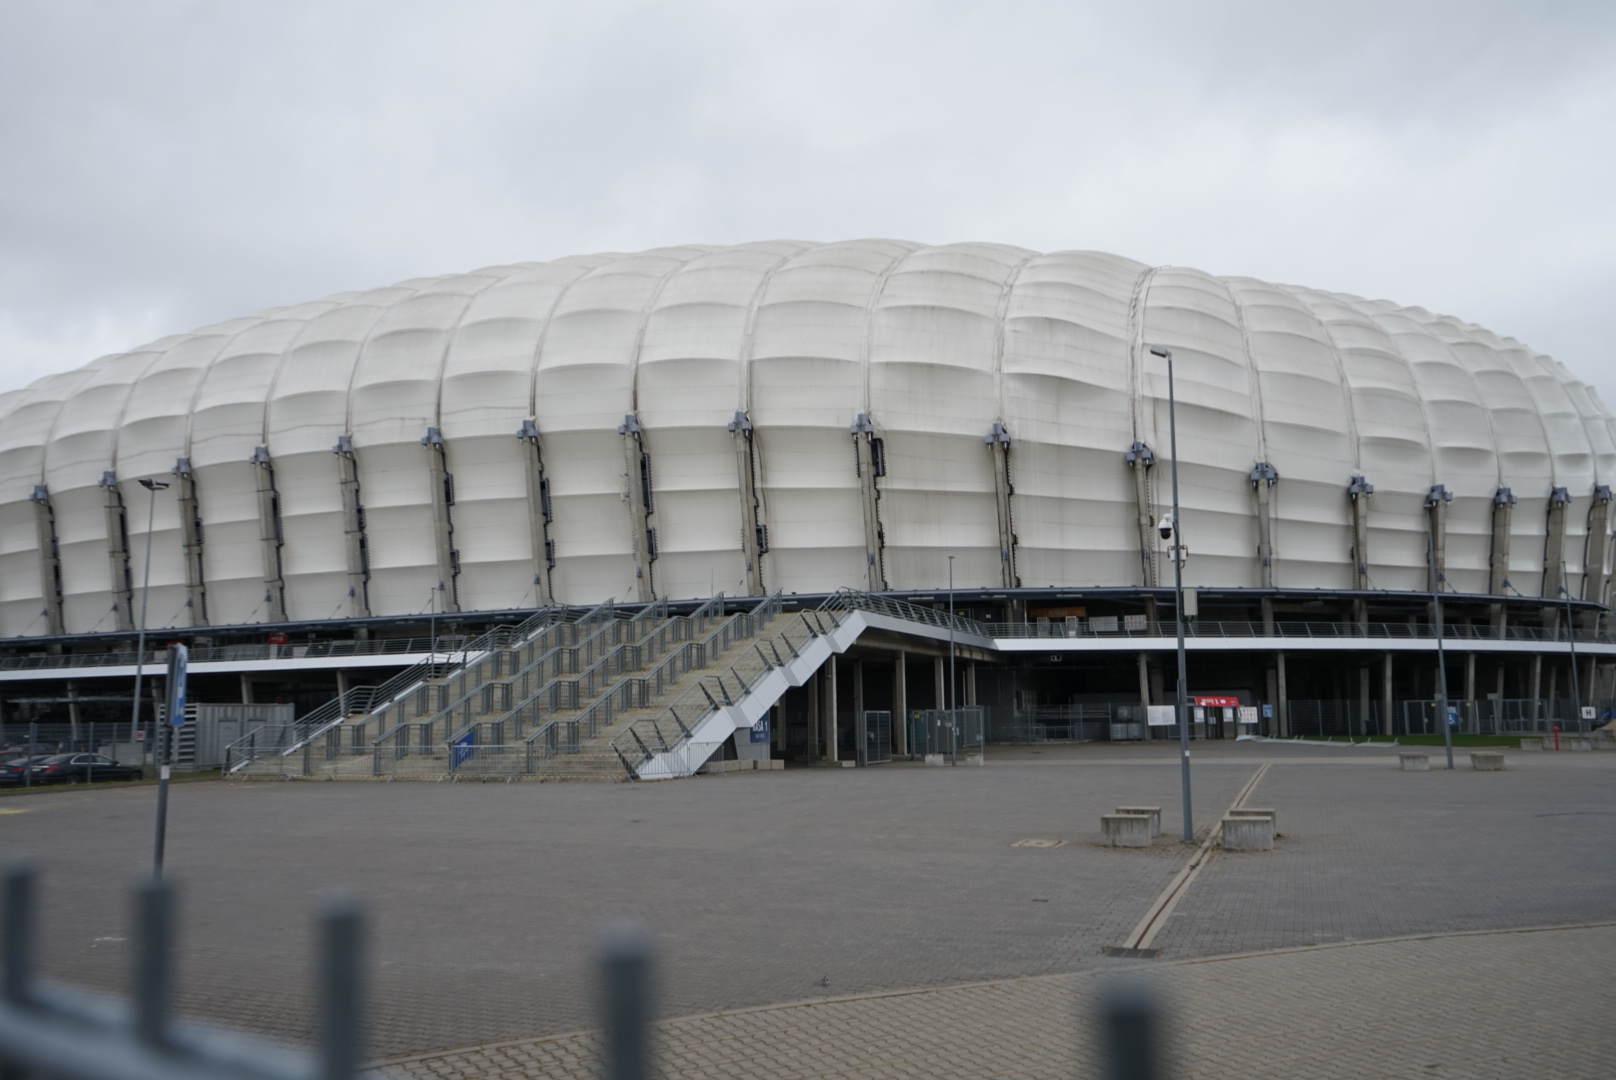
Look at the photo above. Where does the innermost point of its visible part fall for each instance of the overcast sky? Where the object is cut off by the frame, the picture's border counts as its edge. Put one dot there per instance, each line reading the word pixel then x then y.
pixel 166 165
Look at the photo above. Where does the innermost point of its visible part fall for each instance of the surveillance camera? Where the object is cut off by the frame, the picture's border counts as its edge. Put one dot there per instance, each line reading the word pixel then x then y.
pixel 1165 525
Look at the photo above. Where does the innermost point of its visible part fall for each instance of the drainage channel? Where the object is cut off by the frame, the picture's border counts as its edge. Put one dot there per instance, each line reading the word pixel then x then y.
pixel 1138 945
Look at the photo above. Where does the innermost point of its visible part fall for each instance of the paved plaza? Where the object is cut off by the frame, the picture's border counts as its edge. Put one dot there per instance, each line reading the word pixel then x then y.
pixel 842 922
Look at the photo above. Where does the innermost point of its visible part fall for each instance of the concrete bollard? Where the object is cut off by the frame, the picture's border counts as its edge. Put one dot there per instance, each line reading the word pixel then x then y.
pixel 1414 762
pixel 1125 830
pixel 1531 744
pixel 1258 811
pixel 936 759
pixel 1152 812
pixel 1487 760
pixel 1248 833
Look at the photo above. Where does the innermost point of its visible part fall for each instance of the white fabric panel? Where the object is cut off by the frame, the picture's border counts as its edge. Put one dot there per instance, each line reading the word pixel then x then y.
pixel 807 386
pixel 227 426
pixel 487 392
pixel 1068 406
pixel 936 344
pixel 232 554
pixel 393 400
pixel 25 426
pixel 689 385
pixel 1573 459
pixel 153 435
pixel 83 446
pixel 308 413
pixel 583 388
pixel 1394 445
pixel 1308 436
pixel 1218 436
pixel 228 421
pixel 1462 448
pixel 1603 448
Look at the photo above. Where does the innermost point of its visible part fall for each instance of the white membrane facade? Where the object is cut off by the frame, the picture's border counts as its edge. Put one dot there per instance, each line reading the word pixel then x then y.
pixel 794 416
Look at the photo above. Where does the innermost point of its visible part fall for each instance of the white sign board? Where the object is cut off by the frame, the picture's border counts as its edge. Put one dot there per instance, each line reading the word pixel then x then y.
pixel 1590 713
pixel 1161 716
pixel 1248 714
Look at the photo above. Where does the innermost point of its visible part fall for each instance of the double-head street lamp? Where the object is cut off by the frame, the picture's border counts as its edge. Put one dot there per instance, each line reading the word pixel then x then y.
pixel 1172 531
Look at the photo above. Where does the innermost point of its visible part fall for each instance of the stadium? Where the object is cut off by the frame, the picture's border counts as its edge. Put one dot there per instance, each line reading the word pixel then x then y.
pixel 637 514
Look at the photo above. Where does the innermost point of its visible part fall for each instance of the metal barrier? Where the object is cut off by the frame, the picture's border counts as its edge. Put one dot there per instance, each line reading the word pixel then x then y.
pixel 1138 627
pixel 948 731
pixel 874 737
pixel 50 1031
pixel 1129 1019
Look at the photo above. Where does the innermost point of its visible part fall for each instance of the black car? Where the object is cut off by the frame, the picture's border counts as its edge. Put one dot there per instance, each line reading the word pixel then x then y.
pixel 13 765
pixel 78 769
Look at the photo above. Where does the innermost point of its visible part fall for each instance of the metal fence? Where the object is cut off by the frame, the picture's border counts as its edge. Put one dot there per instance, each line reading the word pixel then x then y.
pixel 1105 626
pixel 948 731
pixel 49 1031
pixel 1087 722
pixel 874 737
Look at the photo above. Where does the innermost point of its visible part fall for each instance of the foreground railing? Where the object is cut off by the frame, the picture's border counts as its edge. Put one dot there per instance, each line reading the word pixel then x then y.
pixel 49 1031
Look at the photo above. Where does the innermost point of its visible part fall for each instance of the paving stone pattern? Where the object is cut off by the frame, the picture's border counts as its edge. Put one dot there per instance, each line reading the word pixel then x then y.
pixel 1499 1004
pixel 779 887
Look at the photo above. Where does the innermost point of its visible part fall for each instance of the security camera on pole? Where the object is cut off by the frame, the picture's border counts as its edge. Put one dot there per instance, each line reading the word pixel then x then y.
pixel 1172 531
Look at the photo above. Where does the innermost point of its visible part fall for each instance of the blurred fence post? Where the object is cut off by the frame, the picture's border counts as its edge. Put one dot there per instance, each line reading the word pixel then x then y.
pixel 52 1031
pixel 1129 1017
pixel 625 963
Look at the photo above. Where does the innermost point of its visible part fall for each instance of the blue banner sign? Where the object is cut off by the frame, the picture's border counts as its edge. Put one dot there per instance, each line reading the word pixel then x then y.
pixel 463 747
pixel 178 657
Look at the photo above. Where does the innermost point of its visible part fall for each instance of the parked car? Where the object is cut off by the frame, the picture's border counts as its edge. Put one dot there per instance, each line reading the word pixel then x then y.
pixel 13 767
pixel 81 769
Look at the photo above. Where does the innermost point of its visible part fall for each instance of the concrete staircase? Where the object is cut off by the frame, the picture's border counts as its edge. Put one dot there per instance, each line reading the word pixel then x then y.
pixel 686 734
pixel 286 749
pixel 547 709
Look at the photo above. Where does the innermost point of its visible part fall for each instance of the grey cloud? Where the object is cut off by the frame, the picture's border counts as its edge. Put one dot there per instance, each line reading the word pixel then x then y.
pixel 174 164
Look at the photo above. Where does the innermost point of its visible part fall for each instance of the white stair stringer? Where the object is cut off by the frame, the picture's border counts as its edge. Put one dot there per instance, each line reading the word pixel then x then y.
pixel 709 733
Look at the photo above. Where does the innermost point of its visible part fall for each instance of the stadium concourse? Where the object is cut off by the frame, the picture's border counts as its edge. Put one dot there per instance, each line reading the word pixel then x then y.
pixel 627 514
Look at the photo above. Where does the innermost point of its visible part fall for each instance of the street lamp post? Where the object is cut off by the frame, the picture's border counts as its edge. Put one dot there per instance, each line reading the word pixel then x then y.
pixel 1173 530
pixel 1571 640
pixel 1438 494
pixel 153 486
pixel 953 697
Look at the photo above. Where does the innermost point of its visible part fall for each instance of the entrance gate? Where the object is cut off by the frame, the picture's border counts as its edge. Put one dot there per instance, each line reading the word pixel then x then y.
pixel 874 737
pixel 950 731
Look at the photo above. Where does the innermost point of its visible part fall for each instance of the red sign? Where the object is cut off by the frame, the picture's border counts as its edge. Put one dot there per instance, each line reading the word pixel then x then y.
pixel 1224 702
pixel 277 639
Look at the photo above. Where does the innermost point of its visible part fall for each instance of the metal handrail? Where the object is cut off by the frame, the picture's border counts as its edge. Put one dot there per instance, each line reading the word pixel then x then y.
pixel 364 699
pixel 1205 628
pixel 851 599
pixel 426 736
pixel 631 747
